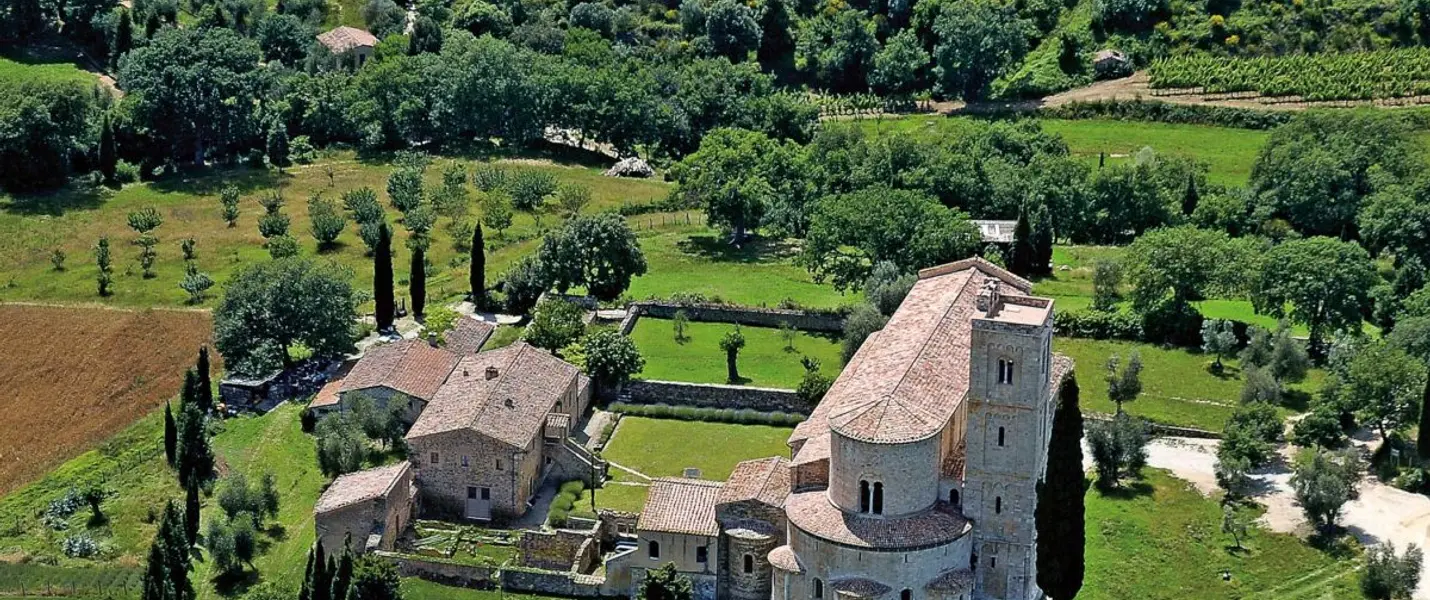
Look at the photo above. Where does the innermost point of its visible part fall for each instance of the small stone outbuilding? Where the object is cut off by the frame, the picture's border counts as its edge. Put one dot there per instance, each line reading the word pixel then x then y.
pixel 402 376
pixel 677 525
pixel 371 506
pixel 350 46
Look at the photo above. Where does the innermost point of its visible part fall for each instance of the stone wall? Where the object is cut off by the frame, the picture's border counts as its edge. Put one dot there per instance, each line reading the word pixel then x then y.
pixel 443 572
pixel 552 583
pixel 802 320
pixel 710 395
pixel 553 550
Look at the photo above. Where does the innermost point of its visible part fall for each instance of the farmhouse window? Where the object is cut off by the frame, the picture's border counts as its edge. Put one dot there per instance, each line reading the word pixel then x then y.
pixel 434 458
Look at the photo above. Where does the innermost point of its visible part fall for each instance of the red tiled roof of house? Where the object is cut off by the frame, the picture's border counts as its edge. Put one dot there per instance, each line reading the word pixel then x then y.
pixel 468 335
pixel 510 406
pixel 353 488
pixel 681 505
pixel 813 513
pixel 906 386
pixel 328 395
pixel 413 367
pixel 341 39
pixel 764 480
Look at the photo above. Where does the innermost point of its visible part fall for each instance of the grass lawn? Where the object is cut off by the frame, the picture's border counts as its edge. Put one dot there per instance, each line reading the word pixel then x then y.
pixel 764 362
pixel 665 447
pixel 1228 152
pixel 695 259
pixel 132 466
pixel 15 67
pixel 419 589
pixel 1163 541
pixel 1178 387
pixel 73 219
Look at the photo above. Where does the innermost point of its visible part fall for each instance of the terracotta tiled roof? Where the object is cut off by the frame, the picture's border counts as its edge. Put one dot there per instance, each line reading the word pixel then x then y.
pixel 908 382
pixel 468 335
pixel 765 480
pixel 361 486
pixel 413 367
pixel 511 406
pixel 328 395
pixel 952 580
pixel 813 513
pixel 858 587
pixel 954 462
pixel 784 559
pixel 680 505
pixel 341 39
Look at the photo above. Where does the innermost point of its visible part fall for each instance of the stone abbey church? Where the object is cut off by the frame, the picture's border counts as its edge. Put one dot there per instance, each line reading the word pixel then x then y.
pixel 914 479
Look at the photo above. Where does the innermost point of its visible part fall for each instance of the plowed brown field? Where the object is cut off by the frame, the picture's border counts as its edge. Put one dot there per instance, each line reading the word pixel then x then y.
pixel 72 376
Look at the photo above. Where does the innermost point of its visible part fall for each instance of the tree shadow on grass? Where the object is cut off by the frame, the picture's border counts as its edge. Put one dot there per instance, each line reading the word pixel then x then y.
pixel 754 250
pixel 55 203
pixel 209 181
pixel 558 154
pixel 1226 373
pixel 1128 490
pixel 1297 400
pixel 234 584
pixel 1339 543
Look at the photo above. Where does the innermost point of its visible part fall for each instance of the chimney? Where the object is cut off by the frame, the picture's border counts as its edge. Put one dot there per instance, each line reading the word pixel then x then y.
pixel 691 473
pixel 509 403
pixel 491 373
pixel 989 300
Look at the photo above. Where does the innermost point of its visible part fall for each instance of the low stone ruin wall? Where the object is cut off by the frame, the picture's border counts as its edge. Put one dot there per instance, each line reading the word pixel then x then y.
pixel 803 320
pixel 712 395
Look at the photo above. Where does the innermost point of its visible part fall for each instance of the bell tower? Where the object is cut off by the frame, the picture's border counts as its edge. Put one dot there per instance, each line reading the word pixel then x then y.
pixel 1009 423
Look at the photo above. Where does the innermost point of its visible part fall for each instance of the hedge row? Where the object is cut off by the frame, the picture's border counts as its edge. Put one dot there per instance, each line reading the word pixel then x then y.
pixel 741 416
pixel 1124 325
pixel 1166 112
pixel 564 502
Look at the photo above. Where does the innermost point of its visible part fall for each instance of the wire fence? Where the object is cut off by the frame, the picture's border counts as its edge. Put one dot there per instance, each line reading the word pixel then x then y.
pixel 46 581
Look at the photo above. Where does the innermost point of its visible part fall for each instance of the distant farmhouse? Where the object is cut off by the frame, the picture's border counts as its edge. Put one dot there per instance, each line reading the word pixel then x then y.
pixel 914 478
pixel 351 47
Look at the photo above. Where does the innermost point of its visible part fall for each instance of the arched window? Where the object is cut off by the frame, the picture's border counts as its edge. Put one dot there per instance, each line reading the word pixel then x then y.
pixel 654 549
pixel 1001 434
pixel 749 564
pixel 953 497
pixel 878 498
pixel 863 496
pixel 818 588
pixel 1005 371
pixel 907 594
pixel 998 505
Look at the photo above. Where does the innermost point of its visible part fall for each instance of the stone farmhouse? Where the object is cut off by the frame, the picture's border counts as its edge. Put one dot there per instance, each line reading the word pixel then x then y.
pixel 915 478
pixel 495 429
pixel 369 508
pixel 486 429
pixel 351 47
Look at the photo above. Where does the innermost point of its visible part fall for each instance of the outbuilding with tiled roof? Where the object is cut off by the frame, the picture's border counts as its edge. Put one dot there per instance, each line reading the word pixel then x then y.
pixel 367 508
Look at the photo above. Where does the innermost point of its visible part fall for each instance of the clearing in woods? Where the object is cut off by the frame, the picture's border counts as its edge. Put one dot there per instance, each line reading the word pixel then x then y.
pixel 76 375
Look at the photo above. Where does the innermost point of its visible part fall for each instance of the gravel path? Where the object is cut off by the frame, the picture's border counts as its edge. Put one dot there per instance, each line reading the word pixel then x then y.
pixel 1382 514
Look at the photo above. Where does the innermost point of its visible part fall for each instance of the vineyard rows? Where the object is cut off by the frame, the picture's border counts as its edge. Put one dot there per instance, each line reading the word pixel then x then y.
pixel 1313 78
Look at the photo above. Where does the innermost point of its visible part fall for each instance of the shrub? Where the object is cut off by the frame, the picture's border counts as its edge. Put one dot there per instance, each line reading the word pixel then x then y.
pixel 1118 448
pixel 79 546
pixel 530 188
pixel 488 178
pixel 1320 427
pixel 126 172
pixel 711 415
pixel 1098 325
pixel 1388 576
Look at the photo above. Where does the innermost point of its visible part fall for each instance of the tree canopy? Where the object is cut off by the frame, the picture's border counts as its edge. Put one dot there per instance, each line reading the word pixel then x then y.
pixel 272 305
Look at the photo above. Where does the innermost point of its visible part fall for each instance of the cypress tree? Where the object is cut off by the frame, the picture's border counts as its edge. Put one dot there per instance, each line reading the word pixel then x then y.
pixel 1191 198
pixel 191 513
pixel 189 394
pixel 205 384
pixel 196 459
pixel 171 435
pixel 156 584
pixel 152 25
pixel 1101 159
pixel 343 576
pixel 306 591
pixel 123 38
pixel 322 575
pixel 478 276
pixel 1061 511
pixel 1422 439
pixel 417 282
pixel 108 153
pixel 1022 258
pixel 382 278
pixel 1042 241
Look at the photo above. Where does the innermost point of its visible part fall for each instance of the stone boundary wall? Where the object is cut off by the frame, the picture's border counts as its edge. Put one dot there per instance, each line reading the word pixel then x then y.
pixel 803 320
pixel 552 583
pixel 445 573
pixel 555 550
pixel 1160 430
pixel 712 395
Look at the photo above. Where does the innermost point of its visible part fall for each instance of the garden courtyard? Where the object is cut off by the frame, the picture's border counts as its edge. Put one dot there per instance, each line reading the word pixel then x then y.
pixel 767 360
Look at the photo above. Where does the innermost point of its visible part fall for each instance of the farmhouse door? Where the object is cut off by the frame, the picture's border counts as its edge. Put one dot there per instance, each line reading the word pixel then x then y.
pixel 479 503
